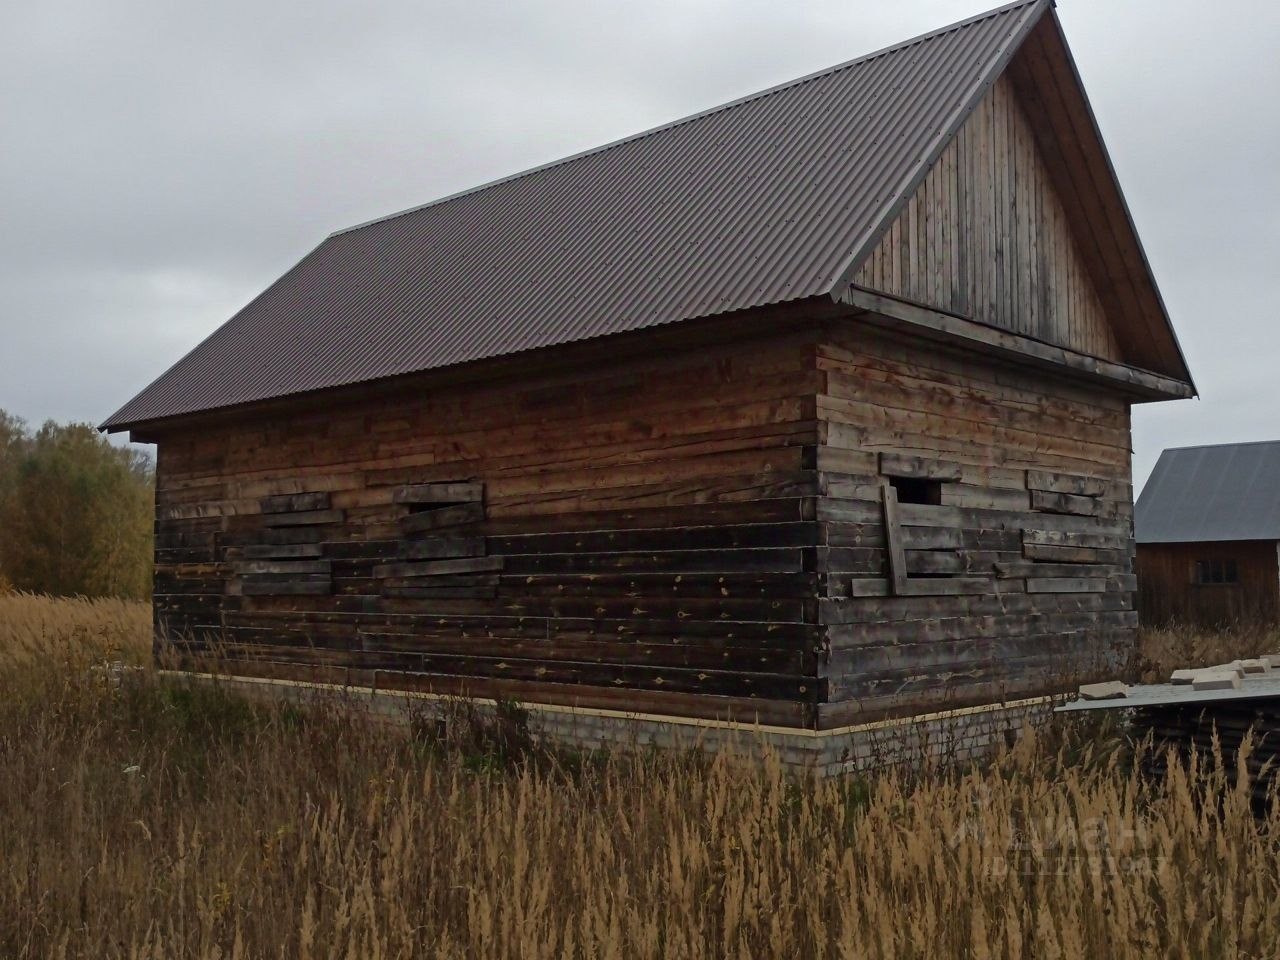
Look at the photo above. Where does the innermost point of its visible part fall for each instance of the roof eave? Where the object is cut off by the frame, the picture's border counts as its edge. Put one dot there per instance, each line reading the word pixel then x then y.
pixel 1123 202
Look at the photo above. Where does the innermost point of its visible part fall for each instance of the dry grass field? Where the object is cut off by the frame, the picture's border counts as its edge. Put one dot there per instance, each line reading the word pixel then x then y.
pixel 139 819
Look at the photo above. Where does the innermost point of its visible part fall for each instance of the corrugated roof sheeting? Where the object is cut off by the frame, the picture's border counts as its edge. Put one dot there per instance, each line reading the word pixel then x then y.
pixel 1202 494
pixel 770 199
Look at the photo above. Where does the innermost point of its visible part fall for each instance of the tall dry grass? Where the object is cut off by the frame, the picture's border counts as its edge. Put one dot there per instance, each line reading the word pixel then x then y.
pixel 36 629
pixel 149 820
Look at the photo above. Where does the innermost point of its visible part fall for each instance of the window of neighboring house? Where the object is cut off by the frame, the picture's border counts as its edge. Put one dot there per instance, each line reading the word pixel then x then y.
pixel 1216 572
pixel 917 490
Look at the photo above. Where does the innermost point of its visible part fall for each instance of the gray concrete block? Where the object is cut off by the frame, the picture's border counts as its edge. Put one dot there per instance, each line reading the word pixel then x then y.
pixel 1110 690
pixel 1216 680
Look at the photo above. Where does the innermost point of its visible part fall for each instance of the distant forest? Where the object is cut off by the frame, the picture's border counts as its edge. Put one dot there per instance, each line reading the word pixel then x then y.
pixel 76 514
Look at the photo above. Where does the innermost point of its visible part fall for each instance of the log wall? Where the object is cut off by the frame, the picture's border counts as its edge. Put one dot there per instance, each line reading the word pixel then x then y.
pixel 1014 575
pixel 639 535
pixel 807 529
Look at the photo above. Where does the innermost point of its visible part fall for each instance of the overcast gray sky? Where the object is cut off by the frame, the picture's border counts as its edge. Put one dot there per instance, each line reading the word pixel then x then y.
pixel 162 161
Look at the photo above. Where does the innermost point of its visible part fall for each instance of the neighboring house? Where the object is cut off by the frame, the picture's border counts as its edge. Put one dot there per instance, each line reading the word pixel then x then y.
pixel 811 409
pixel 1207 526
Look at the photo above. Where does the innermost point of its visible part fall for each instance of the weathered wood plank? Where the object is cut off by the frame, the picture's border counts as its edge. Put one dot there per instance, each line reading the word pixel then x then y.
pixel 893 538
pixel 1066 584
pixel 943 586
pixel 285 588
pixel 1065 503
pixel 281 551
pixel 440 547
pixel 1035 568
pixel 282 566
pixel 1065 483
pixel 437 568
pixel 897 465
pixel 304 518
pixel 442 493
pixel 443 518
pixel 295 502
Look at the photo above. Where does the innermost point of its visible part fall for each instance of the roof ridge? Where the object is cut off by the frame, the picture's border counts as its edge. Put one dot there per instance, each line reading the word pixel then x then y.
pixel 1219 446
pixel 719 108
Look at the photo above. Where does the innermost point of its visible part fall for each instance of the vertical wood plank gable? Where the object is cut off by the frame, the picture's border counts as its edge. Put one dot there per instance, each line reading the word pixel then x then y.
pixel 986 236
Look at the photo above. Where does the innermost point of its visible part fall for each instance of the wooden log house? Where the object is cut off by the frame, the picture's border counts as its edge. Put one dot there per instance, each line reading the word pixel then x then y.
pixel 809 410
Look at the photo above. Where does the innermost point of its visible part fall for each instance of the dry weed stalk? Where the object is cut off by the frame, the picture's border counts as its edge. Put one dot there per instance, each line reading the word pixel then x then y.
pixel 155 820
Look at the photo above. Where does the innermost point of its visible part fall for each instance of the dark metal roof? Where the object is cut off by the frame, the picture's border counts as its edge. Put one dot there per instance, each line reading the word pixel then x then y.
pixel 771 198
pixel 1198 494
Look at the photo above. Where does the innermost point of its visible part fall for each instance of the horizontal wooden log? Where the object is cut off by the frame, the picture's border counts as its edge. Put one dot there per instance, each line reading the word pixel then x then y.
pixel 640 676
pixel 782 586
pixel 432 548
pixel 1066 584
pixel 1035 568
pixel 955 538
pixel 1076 538
pixel 1066 483
pixel 897 465
pixel 285 588
pixel 1045 551
pixel 938 657
pixel 399 617
pixel 666 561
pixel 442 493
pixel 442 518
pixel 449 580
pixel 442 592
pixel 983 498
pixel 278 551
pixel 1050 620
pixel 952 561
pixel 942 586
pixel 295 502
pixel 282 566
pixel 305 518
pixel 436 568
pixel 877 610
pixel 278 536
pixel 720 656
pixel 877 587
pixel 1065 503
pixel 964 518
pixel 700 705
pixel 736 536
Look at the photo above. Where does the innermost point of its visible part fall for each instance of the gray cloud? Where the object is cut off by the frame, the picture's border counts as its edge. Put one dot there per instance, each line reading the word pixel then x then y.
pixel 163 162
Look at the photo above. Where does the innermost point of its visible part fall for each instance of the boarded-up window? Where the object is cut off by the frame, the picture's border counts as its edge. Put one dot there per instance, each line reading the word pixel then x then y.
pixel 912 493
pixel 287 558
pixel 442 551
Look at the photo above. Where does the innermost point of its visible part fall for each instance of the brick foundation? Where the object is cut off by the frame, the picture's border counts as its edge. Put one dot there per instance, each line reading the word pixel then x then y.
pixel 950 736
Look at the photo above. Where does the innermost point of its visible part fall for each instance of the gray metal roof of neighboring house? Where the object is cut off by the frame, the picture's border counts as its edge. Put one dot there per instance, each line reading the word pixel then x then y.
pixel 1199 494
pixel 772 198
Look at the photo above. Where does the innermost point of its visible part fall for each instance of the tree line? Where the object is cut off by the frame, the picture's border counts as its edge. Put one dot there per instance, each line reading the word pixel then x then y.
pixel 76 514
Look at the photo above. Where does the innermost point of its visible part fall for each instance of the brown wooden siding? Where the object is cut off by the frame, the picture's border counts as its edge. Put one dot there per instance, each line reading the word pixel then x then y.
pixel 645 539
pixel 1168 593
pixel 700 533
pixel 986 236
pixel 1030 529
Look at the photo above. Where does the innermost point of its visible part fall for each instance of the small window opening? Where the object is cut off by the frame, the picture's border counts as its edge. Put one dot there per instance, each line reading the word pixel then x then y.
pixel 1216 571
pixel 917 490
